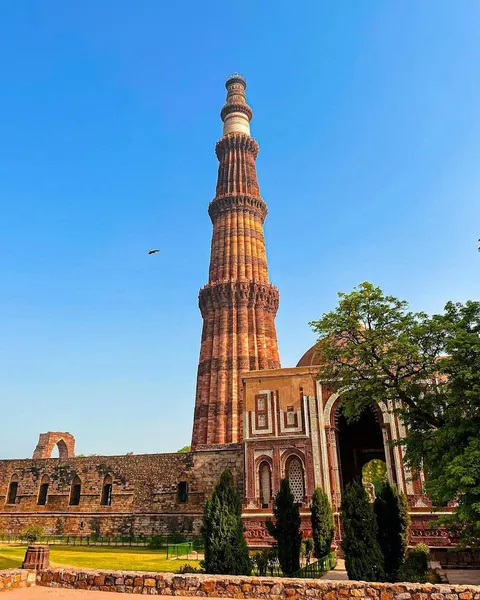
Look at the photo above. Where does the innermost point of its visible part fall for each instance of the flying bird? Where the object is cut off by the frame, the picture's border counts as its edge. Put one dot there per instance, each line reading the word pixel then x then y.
pixel 153 251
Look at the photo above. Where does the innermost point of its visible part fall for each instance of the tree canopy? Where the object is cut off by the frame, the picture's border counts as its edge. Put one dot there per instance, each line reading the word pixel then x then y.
pixel 375 472
pixel 426 369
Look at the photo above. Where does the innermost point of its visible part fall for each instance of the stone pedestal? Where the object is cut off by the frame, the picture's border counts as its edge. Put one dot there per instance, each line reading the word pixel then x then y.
pixel 36 557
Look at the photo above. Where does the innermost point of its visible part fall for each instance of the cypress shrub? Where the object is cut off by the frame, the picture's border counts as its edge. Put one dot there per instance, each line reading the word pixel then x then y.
pixel 363 557
pixel 393 522
pixel 323 527
pixel 226 551
pixel 286 529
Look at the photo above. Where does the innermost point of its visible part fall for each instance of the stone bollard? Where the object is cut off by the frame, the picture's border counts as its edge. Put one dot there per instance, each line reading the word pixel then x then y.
pixel 36 557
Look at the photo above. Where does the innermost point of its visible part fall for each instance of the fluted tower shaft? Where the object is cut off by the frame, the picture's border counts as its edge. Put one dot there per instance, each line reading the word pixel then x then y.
pixel 239 304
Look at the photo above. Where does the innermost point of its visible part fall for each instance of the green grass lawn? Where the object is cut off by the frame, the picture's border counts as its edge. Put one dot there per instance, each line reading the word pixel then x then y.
pixel 98 557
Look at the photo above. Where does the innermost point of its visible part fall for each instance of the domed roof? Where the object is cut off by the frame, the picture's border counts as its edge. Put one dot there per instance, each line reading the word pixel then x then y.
pixel 309 358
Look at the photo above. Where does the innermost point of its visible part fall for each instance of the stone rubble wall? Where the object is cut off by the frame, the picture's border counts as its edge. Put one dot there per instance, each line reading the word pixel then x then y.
pixel 16 578
pixel 218 586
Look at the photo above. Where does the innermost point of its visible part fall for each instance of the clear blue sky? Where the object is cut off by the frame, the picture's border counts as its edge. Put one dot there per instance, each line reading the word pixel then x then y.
pixel 368 119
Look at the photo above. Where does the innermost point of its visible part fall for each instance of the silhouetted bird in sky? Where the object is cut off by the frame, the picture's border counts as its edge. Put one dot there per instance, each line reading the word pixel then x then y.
pixel 153 251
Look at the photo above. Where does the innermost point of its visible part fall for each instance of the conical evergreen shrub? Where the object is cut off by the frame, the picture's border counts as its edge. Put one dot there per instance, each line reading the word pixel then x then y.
pixel 363 557
pixel 226 551
pixel 286 529
pixel 393 522
pixel 323 527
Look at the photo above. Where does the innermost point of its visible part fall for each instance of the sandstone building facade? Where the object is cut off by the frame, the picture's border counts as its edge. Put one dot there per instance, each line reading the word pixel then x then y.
pixel 260 421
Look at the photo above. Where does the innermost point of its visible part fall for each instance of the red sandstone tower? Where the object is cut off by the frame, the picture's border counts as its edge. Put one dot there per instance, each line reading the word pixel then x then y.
pixel 238 304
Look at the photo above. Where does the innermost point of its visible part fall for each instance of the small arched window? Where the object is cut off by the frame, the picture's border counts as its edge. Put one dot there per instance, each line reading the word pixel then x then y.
pixel 12 491
pixel 265 483
pixel 182 492
pixel 107 491
pixel 75 491
pixel 43 491
pixel 295 477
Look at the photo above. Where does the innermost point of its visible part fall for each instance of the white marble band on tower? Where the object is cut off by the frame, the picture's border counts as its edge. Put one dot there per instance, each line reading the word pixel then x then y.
pixel 236 114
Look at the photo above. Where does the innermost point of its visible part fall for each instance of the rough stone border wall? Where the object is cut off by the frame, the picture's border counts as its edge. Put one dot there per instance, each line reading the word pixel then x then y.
pixel 218 586
pixel 16 578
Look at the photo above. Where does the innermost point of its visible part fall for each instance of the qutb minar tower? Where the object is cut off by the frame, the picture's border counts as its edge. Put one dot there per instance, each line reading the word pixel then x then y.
pixel 238 304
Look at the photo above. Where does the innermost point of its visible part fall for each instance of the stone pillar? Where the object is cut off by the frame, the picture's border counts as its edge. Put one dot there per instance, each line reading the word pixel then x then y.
pixel 36 557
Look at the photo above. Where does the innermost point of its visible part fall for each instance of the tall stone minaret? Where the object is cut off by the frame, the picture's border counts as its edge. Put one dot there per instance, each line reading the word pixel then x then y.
pixel 238 304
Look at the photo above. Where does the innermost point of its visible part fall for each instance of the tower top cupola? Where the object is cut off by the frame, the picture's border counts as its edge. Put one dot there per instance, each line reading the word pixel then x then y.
pixel 236 114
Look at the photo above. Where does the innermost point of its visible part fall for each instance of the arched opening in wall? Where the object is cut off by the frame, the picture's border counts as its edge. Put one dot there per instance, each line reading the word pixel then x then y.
pixel 107 488
pixel 295 475
pixel 359 441
pixel 75 491
pixel 182 492
pixel 265 483
pixel 59 449
pixel 43 491
pixel 12 491
pixel 374 477
pixel 62 449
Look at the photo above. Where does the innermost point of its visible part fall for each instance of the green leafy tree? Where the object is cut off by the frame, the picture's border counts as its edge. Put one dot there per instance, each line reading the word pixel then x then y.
pixel 286 529
pixel 32 533
pixel 375 472
pixel 363 557
pixel 226 551
pixel 323 527
pixel 425 369
pixel 393 522
pixel 184 450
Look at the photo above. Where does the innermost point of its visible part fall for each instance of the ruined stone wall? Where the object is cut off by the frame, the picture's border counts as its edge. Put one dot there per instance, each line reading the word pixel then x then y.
pixel 144 500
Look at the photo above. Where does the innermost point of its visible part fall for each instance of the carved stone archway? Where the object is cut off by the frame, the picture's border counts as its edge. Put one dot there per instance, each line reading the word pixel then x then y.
pixel 388 424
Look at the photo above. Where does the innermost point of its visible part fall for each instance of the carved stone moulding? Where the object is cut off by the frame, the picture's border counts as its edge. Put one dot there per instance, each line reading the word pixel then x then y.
pixel 236 141
pixel 231 294
pixel 241 203
pixel 237 107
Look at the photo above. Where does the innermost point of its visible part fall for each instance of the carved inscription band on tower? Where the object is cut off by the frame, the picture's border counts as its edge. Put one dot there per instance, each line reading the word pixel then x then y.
pixel 238 304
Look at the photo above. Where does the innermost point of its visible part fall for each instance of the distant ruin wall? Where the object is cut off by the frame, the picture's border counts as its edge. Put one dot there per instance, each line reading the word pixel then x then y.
pixel 145 496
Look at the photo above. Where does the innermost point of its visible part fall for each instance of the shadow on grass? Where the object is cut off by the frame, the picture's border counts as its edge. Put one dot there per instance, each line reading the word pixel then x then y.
pixel 9 563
